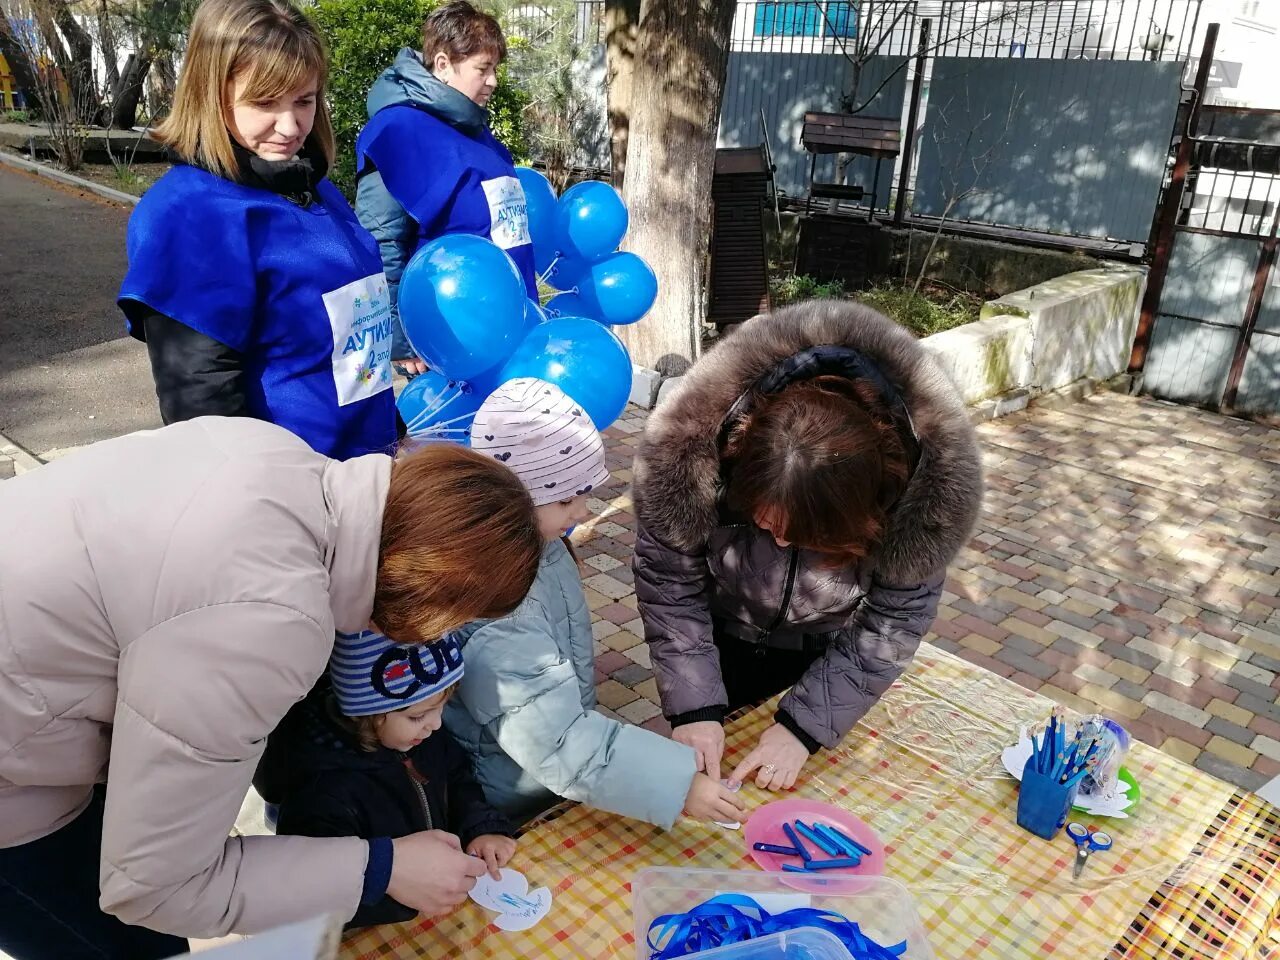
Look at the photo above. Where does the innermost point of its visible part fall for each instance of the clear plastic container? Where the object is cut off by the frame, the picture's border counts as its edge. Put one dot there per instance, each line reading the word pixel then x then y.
pixel 803 943
pixel 882 908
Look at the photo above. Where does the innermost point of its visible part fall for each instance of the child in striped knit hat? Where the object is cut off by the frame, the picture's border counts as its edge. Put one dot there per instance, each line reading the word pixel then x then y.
pixel 525 710
pixel 379 767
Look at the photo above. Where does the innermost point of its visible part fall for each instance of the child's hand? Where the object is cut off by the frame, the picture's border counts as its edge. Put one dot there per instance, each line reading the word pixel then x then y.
pixel 496 851
pixel 709 799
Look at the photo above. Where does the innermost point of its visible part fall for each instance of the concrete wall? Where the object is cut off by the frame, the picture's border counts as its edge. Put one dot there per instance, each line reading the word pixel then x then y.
pixel 822 246
pixel 1075 327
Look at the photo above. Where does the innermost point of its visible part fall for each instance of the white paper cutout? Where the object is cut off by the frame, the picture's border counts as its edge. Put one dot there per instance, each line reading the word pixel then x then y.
pixel 729 824
pixel 517 907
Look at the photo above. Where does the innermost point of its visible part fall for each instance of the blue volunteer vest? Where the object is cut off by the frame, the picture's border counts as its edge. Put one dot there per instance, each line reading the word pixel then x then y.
pixel 298 291
pixel 449 182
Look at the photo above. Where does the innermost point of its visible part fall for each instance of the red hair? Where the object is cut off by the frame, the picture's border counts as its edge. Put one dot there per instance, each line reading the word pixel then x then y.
pixel 460 542
pixel 824 455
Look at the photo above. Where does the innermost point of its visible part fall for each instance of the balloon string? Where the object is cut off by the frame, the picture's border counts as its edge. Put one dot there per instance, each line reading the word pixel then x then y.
pixel 460 417
pixel 431 433
pixel 551 266
pixel 433 408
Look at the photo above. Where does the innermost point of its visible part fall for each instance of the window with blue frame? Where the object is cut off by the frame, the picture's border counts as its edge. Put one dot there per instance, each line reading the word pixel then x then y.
pixel 816 18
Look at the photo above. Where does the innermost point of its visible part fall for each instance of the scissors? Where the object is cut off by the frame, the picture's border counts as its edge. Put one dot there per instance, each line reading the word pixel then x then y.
pixel 1086 839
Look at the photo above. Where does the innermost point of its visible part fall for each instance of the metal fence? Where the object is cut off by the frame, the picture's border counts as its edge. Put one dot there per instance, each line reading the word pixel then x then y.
pixel 1220 304
pixel 1064 29
pixel 1066 105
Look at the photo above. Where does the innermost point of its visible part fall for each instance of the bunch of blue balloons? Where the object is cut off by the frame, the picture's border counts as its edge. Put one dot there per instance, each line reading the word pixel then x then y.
pixel 464 308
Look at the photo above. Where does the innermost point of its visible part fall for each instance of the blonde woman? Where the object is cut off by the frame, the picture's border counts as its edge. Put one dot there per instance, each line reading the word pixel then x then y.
pixel 255 288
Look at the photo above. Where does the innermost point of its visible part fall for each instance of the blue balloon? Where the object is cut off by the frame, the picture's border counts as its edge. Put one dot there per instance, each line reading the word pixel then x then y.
pixel 619 289
pixel 584 359
pixel 462 304
pixel 566 305
pixel 540 204
pixel 484 383
pixel 533 315
pixel 566 272
pixel 591 220
pixel 434 407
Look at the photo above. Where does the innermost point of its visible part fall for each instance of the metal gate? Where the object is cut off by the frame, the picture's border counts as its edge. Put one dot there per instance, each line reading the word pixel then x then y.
pixel 1210 330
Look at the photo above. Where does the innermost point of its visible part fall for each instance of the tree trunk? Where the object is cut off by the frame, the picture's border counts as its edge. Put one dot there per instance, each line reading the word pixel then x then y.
pixel 682 49
pixel 79 70
pixel 24 77
pixel 107 41
pixel 165 85
pixel 621 18
pixel 124 106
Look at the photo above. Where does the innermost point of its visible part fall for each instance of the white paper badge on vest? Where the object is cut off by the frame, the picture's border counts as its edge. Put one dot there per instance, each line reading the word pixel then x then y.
pixel 508 212
pixel 360 315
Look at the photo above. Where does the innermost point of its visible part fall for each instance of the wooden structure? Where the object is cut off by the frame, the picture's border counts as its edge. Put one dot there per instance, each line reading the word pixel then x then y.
pixel 739 267
pixel 835 133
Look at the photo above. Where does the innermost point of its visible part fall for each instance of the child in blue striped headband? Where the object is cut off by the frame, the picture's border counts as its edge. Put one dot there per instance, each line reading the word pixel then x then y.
pixel 379 766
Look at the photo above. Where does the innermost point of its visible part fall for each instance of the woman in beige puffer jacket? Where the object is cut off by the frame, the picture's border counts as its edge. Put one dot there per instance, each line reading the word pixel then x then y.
pixel 165 597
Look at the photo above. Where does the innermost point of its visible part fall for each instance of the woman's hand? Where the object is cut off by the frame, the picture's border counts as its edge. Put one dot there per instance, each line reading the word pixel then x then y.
pixel 710 799
pixel 778 758
pixel 495 850
pixel 412 366
pixel 707 739
pixel 430 873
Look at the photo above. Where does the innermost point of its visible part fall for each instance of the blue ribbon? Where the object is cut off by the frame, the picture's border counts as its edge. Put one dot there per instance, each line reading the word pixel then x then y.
pixel 733 918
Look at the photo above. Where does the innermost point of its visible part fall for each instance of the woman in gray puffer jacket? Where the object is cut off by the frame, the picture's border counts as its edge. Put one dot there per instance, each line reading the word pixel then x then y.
pixel 799 498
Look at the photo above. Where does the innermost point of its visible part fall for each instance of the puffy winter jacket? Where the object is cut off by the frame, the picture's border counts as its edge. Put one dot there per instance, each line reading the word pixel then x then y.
pixel 352 792
pixel 426 165
pixel 164 598
pixel 694 563
pixel 525 710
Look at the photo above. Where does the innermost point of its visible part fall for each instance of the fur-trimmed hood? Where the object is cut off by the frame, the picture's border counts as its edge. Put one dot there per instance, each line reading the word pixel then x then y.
pixel 677 469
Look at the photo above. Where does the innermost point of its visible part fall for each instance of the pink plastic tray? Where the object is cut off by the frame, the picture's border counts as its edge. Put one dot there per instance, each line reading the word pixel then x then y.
pixel 765 826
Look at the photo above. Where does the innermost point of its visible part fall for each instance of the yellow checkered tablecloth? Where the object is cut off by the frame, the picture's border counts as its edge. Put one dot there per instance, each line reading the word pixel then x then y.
pixel 1194 873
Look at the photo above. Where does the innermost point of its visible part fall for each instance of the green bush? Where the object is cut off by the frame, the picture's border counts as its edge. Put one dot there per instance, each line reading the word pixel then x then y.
pixel 930 311
pixel 792 288
pixel 364 37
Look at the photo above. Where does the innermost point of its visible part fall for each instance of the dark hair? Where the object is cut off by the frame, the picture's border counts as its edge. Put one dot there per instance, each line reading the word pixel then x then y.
pixel 459 30
pixel 825 455
pixel 460 542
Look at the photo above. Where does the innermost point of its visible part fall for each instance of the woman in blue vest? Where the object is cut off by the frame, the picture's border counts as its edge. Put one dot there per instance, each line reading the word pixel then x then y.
pixel 255 288
pixel 427 163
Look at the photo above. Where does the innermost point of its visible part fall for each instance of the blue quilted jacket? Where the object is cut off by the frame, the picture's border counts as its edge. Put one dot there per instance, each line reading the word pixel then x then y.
pixel 525 710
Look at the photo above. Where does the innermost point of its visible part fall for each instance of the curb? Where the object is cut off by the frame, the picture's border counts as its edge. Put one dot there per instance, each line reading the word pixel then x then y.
pixel 52 173
pixel 22 460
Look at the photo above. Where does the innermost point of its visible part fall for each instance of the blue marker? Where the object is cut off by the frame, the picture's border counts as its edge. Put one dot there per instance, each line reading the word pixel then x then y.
pixel 832 864
pixel 795 841
pixel 821 842
pixel 852 842
pixel 843 845
pixel 776 848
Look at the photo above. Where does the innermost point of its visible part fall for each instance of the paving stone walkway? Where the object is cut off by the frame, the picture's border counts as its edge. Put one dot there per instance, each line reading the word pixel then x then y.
pixel 1126 561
